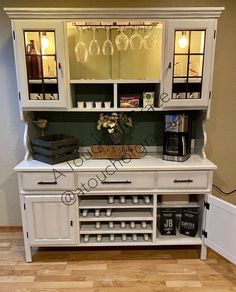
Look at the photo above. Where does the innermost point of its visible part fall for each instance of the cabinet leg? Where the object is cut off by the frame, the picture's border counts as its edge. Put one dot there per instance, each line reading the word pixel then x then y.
pixel 28 253
pixel 203 255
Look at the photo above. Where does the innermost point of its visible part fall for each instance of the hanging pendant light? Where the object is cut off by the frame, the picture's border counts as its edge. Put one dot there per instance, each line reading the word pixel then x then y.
pixel 183 41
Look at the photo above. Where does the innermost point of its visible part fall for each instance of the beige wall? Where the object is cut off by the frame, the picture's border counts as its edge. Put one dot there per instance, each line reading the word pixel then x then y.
pixel 221 128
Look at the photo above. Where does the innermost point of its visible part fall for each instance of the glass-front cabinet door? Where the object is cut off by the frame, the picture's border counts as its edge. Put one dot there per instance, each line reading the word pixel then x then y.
pixel 39 60
pixel 188 64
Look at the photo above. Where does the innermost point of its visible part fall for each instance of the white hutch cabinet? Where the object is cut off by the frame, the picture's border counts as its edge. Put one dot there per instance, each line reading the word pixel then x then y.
pixel 117 203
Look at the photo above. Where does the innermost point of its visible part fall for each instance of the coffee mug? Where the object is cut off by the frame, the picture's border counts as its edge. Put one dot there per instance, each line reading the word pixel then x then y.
pixel 80 104
pixel 89 104
pixel 49 96
pixel 98 104
pixel 36 96
pixel 107 104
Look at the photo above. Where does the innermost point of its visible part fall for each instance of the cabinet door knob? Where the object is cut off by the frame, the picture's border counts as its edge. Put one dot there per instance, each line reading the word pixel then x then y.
pixel 59 66
pixel 169 66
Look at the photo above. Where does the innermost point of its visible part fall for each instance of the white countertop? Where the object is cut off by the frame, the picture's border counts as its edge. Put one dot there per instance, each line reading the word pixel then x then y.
pixel 151 162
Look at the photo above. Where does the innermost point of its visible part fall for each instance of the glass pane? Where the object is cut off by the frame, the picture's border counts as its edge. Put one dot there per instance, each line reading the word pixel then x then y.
pixel 181 42
pixel 32 43
pixel 49 67
pixel 48 42
pixel 35 91
pixel 194 88
pixel 115 60
pixel 180 65
pixel 34 66
pixel 195 65
pixel 197 42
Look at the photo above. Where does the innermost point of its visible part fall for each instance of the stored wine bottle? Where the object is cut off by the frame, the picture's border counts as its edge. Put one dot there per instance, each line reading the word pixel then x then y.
pixel 33 61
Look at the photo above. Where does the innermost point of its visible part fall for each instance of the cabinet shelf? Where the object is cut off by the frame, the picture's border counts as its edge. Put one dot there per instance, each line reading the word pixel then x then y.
pixel 91 229
pixel 118 109
pixel 97 204
pixel 178 239
pixel 45 80
pixel 118 216
pixel 179 205
pixel 118 241
pixel 112 81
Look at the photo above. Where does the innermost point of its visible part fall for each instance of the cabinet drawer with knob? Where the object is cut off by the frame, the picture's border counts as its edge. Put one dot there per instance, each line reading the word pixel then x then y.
pixel 184 180
pixel 47 180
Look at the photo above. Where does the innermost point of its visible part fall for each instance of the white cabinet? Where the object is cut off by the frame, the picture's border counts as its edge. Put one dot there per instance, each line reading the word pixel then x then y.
pixel 220 228
pixel 50 221
pixel 178 64
pixel 40 63
pixel 188 65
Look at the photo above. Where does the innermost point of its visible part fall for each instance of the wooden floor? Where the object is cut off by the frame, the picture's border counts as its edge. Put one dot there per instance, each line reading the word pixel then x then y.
pixel 111 269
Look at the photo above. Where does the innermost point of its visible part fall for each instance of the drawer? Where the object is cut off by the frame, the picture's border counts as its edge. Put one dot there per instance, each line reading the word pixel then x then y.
pixel 183 180
pixel 47 181
pixel 119 181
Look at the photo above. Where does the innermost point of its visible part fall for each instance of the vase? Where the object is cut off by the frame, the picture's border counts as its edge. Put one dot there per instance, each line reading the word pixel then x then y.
pixel 116 137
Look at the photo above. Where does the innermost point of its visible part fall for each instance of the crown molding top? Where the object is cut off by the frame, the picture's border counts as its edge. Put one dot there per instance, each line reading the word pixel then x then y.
pixel 114 13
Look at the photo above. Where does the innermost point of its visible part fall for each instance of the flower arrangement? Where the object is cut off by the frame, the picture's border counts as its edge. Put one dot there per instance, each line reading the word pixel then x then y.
pixel 115 125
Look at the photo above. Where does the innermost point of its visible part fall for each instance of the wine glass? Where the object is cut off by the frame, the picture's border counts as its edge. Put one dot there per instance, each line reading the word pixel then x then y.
pixel 122 41
pixel 149 41
pixel 136 40
pixel 107 48
pixel 81 51
pixel 94 48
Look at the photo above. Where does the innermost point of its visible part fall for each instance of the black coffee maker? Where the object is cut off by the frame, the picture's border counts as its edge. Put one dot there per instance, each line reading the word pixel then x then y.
pixel 177 140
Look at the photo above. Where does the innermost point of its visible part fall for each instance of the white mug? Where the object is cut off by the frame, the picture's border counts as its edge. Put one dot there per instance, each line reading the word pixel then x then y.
pixel 80 104
pixel 55 95
pixel 49 96
pixel 36 96
pixel 98 104
pixel 107 104
pixel 89 104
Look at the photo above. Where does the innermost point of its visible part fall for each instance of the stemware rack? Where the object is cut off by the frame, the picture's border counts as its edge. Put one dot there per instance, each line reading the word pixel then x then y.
pixel 127 219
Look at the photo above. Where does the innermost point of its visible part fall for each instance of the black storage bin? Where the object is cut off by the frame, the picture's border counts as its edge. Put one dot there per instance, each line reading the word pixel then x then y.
pixel 54 149
pixel 189 222
pixel 168 222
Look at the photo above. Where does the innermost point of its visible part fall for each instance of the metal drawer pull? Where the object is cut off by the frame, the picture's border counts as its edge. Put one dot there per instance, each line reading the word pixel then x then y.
pixel 183 180
pixel 117 182
pixel 47 182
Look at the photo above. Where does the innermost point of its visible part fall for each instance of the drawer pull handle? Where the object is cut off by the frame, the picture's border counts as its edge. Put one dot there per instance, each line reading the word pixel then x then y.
pixel 47 182
pixel 183 181
pixel 117 182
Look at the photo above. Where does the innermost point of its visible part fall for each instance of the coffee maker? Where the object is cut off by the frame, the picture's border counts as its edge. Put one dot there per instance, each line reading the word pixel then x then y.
pixel 177 140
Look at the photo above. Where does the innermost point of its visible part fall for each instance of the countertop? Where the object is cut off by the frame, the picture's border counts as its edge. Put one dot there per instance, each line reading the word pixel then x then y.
pixel 151 162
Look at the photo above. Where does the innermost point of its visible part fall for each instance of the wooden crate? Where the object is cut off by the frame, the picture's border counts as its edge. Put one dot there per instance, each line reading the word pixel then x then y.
pixel 117 151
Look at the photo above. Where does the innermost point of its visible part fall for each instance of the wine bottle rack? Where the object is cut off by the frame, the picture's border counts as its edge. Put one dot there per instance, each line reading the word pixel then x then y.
pixel 116 220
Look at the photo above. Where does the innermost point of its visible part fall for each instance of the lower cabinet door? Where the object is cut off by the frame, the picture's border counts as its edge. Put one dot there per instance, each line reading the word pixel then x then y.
pixel 221 227
pixel 50 221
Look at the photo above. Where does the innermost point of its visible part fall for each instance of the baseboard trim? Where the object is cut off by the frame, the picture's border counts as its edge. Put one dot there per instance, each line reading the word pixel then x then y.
pixel 10 228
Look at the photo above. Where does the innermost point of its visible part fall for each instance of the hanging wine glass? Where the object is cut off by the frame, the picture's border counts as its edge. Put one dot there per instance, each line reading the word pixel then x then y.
pixel 94 48
pixel 107 48
pixel 122 41
pixel 149 41
pixel 81 51
pixel 136 40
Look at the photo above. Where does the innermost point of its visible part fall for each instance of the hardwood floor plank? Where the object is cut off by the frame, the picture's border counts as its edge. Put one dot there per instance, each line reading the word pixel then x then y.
pixel 175 269
pixel 176 284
